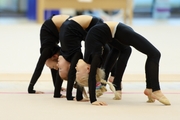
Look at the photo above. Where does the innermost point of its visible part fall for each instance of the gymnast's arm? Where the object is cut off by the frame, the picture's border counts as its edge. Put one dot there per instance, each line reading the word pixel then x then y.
pixel 54 75
pixel 38 70
pixel 79 92
pixel 92 77
pixel 72 76
pixel 96 62
pixel 58 85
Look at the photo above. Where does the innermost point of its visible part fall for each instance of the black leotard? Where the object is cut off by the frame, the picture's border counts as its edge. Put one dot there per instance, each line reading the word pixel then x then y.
pixel 71 36
pixel 118 58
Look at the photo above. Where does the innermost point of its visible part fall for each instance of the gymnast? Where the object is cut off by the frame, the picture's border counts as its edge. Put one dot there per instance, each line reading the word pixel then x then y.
pixel 100 35
pixel 73 32
pixel 117 59
pixel 49 50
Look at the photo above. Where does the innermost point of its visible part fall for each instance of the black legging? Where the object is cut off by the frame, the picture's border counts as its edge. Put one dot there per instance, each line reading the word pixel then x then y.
pixel 105 54
pixel 118 57
pixel 128 36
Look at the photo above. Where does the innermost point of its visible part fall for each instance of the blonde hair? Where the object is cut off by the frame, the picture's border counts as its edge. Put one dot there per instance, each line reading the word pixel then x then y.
pixel 100 75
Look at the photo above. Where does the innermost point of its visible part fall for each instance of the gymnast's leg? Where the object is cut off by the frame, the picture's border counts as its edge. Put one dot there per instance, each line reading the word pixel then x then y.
pixel 128 36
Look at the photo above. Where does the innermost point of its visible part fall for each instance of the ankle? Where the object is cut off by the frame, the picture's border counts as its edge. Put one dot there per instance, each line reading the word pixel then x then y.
pixel 148 91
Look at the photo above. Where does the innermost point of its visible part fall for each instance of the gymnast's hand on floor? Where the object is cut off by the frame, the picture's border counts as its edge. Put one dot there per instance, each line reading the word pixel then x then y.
pixel 32 91
pixel 99 103
pixel 39 92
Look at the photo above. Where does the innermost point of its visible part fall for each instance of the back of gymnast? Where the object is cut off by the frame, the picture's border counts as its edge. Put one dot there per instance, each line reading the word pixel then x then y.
pixel 98 36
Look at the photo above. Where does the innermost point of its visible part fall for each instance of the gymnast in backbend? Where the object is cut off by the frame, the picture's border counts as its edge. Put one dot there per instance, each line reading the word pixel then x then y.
pixel 49 50
pixel 102 34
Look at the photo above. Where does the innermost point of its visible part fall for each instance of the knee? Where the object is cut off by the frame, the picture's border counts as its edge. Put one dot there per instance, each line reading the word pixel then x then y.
pixel 128 50
pixel 156 56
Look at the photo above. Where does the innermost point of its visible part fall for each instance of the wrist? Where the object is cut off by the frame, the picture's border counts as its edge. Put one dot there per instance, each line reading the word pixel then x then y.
pixel 30 89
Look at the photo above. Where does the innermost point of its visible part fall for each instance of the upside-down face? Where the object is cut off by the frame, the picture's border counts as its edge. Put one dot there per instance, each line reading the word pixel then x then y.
pixel 52 62
pixel 64 67
pixel 82 72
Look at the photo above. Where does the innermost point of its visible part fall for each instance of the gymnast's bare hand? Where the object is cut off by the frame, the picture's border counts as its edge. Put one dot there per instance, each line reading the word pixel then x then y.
pixel 39 92
pixel 99 103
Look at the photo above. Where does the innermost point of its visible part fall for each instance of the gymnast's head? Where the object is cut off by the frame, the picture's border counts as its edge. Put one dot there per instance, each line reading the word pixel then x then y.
pixel 64 67
pixel 82 73
pixel 52 61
